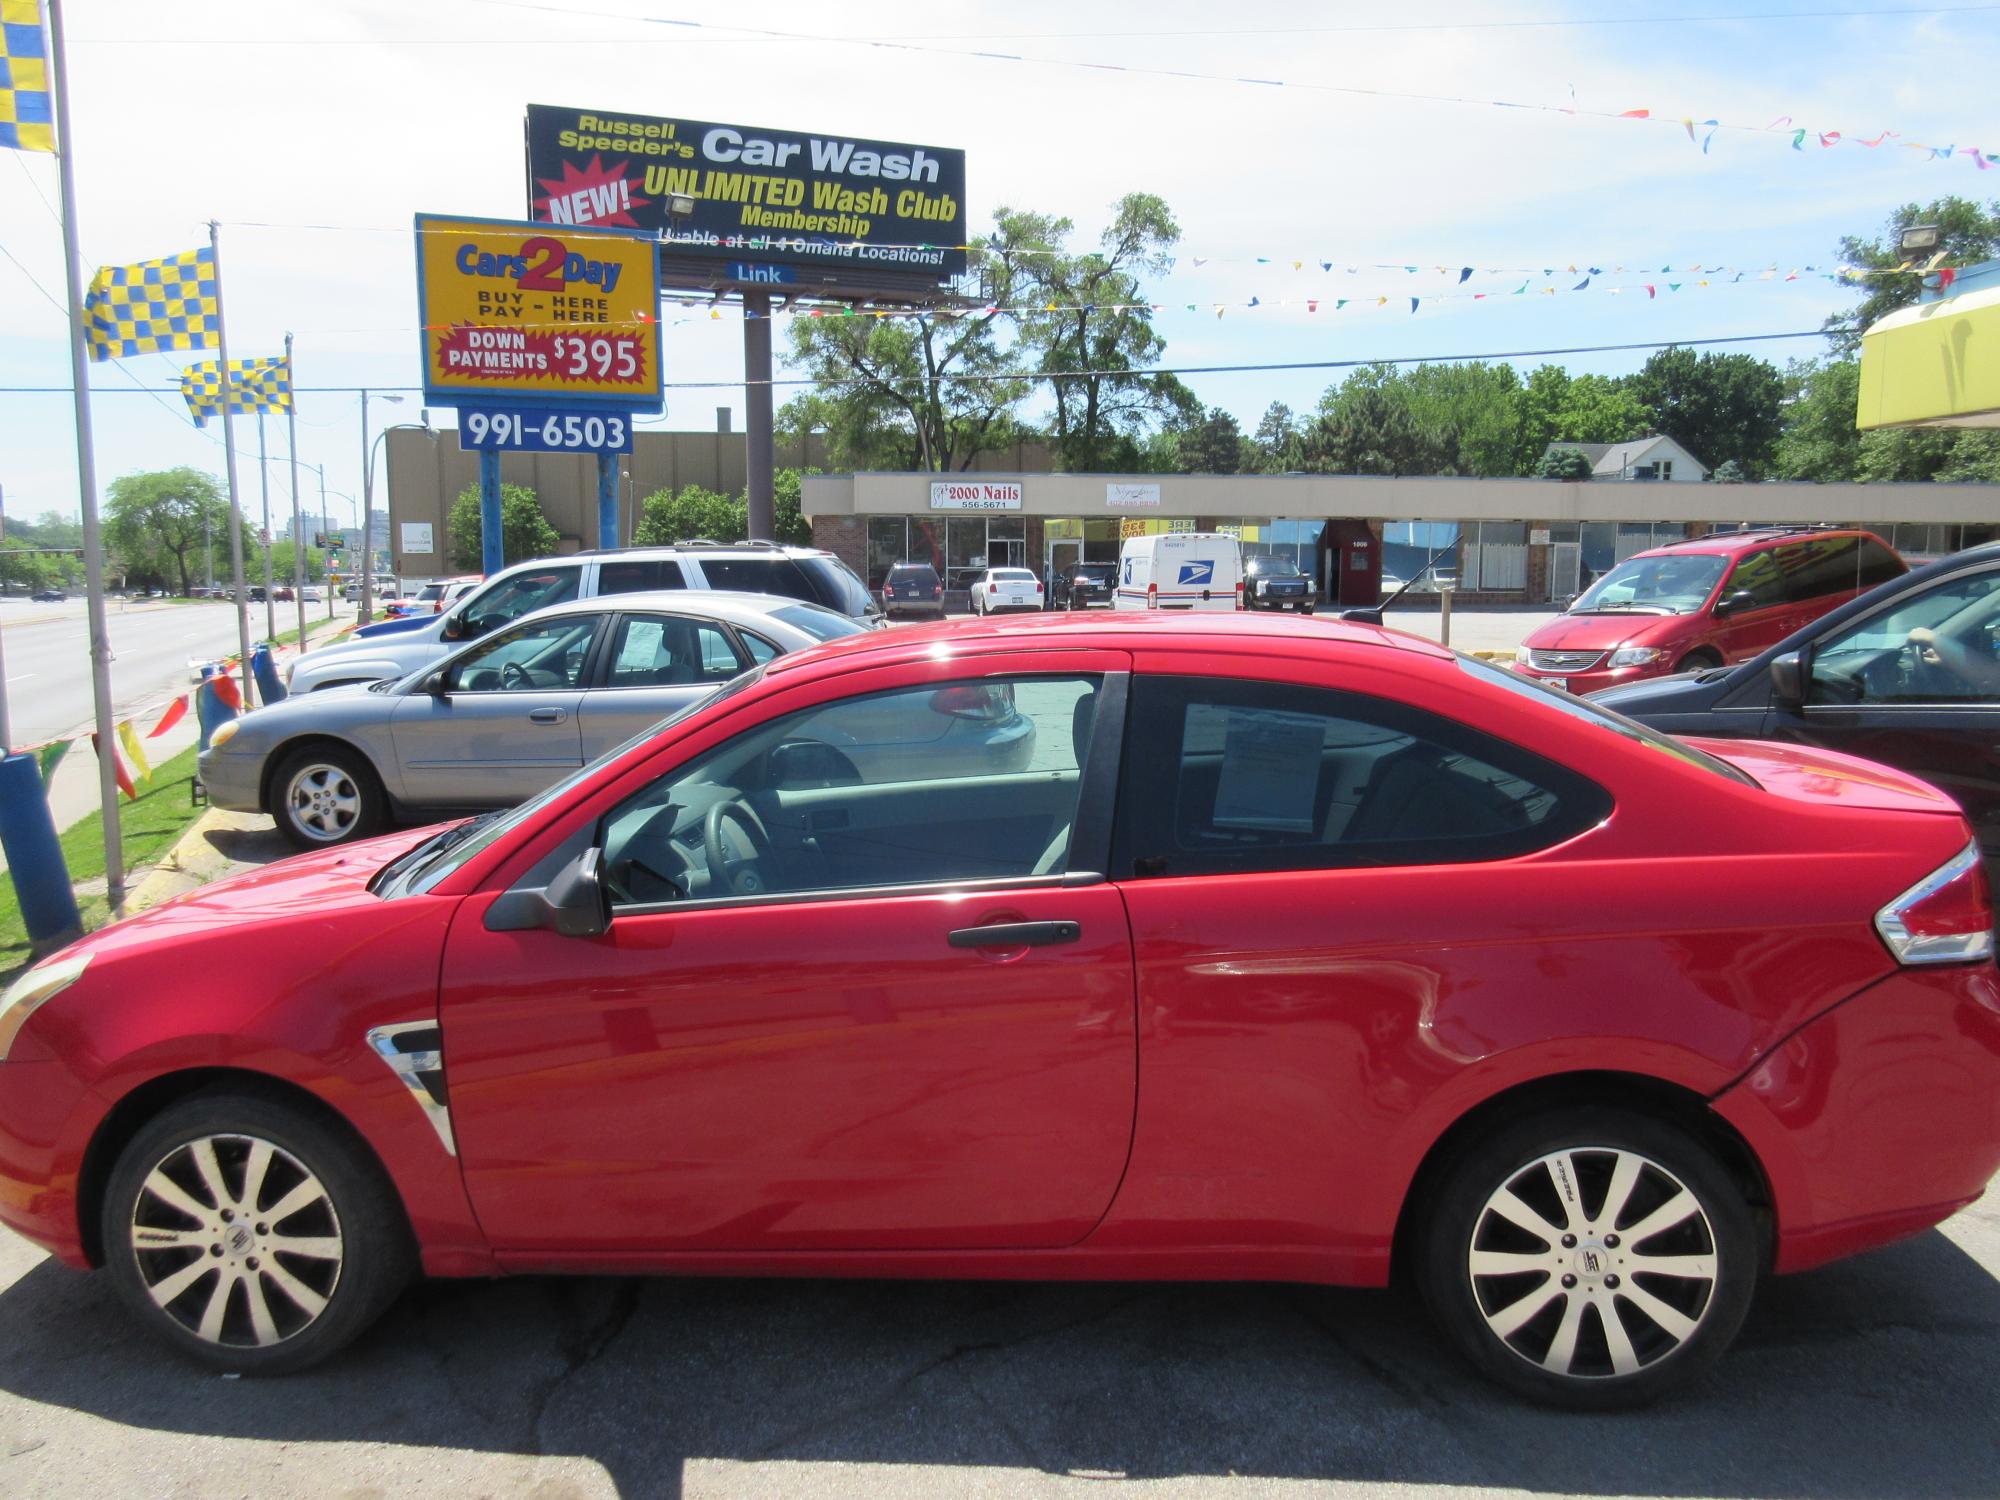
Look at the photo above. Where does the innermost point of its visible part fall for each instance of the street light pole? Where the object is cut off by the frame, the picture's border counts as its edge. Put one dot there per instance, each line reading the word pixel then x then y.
pixel 368 508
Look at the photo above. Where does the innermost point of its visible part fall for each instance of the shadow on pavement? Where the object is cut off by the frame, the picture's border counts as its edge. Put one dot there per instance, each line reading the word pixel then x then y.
pixel 1878 1377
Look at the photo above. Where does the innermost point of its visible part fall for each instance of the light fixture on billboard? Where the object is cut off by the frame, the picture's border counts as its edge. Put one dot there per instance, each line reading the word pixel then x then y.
pixel 1920 238
pixel 680 205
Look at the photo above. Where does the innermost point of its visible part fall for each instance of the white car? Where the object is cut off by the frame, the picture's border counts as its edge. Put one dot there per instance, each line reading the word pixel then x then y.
pixel 1002 589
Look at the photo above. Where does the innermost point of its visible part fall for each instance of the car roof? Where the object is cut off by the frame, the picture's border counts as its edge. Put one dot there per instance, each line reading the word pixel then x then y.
pixel 731 605
pixel 1119 629
pixel 1734 543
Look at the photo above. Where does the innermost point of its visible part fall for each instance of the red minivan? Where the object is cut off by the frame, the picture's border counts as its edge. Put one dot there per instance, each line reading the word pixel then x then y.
pixel 1717 599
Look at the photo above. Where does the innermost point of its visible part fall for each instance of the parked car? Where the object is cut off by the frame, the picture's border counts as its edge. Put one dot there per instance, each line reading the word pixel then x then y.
pixel 1717 599
pixel 1198 570
pixel 912 589
pixel 401 646
pixel 1422 964
pixel 998 590
pixel 499 719
pixel 311 595
pixel 1084 585
pixel 1907 674
pixel 48 596
pixel 1277 583
pixel 440 592
pixel 282 594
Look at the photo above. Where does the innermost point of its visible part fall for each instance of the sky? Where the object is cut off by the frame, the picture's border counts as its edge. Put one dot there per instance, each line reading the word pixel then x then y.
pixel 313 133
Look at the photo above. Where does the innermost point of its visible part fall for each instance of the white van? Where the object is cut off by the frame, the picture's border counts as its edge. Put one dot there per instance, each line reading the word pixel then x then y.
pixel 1180 570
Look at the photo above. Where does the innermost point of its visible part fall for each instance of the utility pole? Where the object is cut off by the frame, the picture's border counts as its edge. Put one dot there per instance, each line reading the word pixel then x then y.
pixel 298 526
pixel 237 585
pixel 264 485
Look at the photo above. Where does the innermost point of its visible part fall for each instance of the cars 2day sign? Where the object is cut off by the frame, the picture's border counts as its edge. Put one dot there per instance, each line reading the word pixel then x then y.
pixel 541 314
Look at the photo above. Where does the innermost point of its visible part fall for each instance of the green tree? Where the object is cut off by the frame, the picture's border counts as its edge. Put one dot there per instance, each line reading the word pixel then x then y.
pixel 788 518
pixel 1366 426
pixel 1276 447
pixel 524 531
pixel 1717 406
pixel 1213 446
pixel 1564 463
pixel 155 522
pixel 281 562
pixel 1729 471
pixel 1095 327
pixel 1820 442
pixel 666 516
pixel 1970 234
pixel 1557 407
pixel 1478 401
pixel 25 569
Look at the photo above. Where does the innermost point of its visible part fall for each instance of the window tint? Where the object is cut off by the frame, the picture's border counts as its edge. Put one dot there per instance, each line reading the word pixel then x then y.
pixel 759 575
pixel 839 587
pixel 510 598
pixel 541 656
pixel 760 649
pixel 1878 563
pixel 971 780
pixel 638 574
pixel 1935 645
pixel 1820 566
pixel 667 651
pixel 1272 776
pixel 1758 573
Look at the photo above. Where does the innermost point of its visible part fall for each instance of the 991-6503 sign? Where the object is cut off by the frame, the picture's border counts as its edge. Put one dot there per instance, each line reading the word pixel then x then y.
pixel 522 430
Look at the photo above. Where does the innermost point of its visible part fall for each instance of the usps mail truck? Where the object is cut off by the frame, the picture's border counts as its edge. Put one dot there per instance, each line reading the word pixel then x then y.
pixel 1180 570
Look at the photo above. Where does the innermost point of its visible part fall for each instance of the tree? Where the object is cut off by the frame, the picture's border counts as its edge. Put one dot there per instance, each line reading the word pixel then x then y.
pixel 1820 442
pixel 1729 471
pixel 524 531
pixel 1365 426
pixel 281 562
pixel 1478 401
pixel 1095 328
pixel 1555 406
pixel 1717 406
pixel 788 518
pixel 156 521
pixel 1563 463
pixel 666 517
pixel 1276 447
pixel 1213 446
pixel 1970 234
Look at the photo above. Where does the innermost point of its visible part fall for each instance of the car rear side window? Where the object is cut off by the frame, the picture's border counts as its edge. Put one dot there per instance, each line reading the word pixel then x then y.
pixel 636 575
pixel 839 587
pixel 1758 574
pixel 759 575
pixel 665 651
pixel 1249 776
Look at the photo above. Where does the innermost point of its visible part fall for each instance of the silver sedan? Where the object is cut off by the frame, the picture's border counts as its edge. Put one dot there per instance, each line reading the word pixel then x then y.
pixel 501 719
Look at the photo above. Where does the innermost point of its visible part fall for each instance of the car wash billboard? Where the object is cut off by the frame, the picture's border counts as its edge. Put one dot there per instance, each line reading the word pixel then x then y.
pixel 751 196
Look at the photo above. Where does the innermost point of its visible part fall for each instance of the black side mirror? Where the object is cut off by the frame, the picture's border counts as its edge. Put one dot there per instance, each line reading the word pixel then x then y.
pixel 1788 679
pixel 433 684
pixel 576 903
pixel 1569 602
pixel 453 628
pixel 1729 604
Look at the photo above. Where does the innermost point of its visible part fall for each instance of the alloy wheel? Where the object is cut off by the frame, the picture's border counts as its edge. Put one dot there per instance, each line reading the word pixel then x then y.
pixel 237 1241
pixel 323 801
pixel 1593 1263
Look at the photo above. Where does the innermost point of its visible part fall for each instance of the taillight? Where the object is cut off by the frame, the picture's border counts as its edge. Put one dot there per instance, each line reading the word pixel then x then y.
pixel 1239 593
pixel 1152 596
pixel 938 592
pixel 1945 918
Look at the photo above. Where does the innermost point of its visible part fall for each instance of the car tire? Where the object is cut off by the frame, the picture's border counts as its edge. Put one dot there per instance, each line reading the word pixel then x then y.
pixel 224 1282
pixel 326 795
pixel 1699 661
pixel 1549 1338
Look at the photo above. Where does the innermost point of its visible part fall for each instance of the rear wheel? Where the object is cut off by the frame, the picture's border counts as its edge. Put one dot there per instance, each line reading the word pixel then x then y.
pixel 327 794
pixel 1590 1259
pixel 251 1236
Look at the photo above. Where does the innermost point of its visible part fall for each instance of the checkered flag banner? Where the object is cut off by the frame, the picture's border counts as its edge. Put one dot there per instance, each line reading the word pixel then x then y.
pixel 26 120
pixel 254 385
pixel 153 306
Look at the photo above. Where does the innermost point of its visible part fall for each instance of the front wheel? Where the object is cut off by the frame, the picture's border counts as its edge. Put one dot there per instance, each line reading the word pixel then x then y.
pixel 1590 1259
pixel 326 795
pixel 250 1235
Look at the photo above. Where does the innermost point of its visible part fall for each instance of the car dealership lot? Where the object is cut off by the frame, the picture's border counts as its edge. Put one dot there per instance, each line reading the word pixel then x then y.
pixel 1875 1377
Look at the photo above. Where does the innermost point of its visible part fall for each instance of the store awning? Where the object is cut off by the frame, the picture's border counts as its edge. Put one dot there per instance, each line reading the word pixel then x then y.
pixel 1933 365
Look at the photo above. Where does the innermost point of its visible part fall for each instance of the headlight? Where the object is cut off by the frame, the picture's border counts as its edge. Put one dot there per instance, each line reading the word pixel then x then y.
pixel 1522 656
pixel 1636 656
pixel 224 733
pixel 27 994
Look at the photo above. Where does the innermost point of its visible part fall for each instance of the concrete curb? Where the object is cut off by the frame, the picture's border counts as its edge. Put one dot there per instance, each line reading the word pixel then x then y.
pixel 193 862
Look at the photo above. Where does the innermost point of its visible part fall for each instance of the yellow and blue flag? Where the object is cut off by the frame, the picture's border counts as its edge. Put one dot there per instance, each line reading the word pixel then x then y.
pixel 153 306
pixel 254 385
pixel 26 121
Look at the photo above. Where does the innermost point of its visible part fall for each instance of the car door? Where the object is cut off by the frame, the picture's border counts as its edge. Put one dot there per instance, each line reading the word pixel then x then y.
pixel 1916 685
pixel 653 665
pixel 503 722
pixel 783 1050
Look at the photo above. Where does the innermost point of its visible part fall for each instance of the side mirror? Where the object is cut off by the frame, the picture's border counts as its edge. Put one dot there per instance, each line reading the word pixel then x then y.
pixel 1729 604
pixel 433 684
pixel 1788 679
pixel 575 903
pixel 1569 601
pixel 453 628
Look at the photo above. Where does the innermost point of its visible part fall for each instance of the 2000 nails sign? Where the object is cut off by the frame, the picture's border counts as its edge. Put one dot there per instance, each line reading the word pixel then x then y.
pixel 568 315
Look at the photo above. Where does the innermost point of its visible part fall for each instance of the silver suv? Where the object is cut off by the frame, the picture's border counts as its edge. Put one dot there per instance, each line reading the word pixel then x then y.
pixel 395 648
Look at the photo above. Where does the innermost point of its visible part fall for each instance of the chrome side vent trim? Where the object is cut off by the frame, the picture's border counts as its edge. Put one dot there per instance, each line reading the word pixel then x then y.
pixel 414 1051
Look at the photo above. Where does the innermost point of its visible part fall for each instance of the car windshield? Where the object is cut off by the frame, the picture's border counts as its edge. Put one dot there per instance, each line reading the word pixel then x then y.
pixel 1273 567
pixel 820 624
pixel 1675 584
pixel 1603 718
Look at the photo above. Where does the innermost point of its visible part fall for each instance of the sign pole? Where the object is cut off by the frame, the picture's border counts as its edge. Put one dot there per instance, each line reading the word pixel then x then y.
pixel 264 485
pixel 609 533
pixel 757 415
pixel 298 524
pixel 243 673
pixel 367 606
pixel 492 551
pixel 86 478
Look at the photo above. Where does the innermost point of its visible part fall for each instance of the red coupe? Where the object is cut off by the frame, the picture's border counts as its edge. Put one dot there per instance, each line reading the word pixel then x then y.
pixel 1284 950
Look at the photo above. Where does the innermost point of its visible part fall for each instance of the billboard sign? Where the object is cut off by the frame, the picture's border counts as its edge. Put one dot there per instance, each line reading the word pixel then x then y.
pixel 516 312
pixel 754 196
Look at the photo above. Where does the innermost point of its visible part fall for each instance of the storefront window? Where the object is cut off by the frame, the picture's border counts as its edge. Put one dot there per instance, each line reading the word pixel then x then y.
pixel 1408 545
pixel 965 551
pixel 1496 556
pixel 888 542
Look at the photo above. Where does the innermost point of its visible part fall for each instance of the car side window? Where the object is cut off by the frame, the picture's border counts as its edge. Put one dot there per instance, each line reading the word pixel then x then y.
pixel 1937 645
pixel 1821 566
pixel 971 780
pixel 1760 575
pixel 1249 776
pixel 542 655
pixel 759 575
pixel 667 651
pixel 522 594
pixel 635 575
pixel 760 649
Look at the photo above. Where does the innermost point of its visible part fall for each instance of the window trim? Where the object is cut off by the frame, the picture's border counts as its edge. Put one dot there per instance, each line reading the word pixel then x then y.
pixel 601 682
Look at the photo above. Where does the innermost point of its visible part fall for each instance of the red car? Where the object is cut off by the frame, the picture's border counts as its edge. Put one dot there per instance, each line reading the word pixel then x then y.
pixel 1422 967
pixel 1717 600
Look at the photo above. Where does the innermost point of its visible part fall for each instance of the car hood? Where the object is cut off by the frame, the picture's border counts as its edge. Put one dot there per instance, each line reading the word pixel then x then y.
pixel 1684 692
pixel 428 634
pixel 349 703
pixel 1604 632
pixel 1806 774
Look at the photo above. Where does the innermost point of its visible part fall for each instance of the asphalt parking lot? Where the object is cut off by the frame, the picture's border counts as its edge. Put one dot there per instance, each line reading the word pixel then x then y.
pixel 1874 1378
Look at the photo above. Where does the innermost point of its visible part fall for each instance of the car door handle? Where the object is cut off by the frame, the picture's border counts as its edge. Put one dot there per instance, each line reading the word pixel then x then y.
pixel 1016 935
pixel 547 716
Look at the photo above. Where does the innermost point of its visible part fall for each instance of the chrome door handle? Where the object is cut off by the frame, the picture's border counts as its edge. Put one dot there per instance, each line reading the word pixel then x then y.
pixel 1016 935
pixel 547 716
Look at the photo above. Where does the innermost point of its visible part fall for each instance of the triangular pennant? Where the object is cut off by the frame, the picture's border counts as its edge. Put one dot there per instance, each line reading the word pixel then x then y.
pixel 176 711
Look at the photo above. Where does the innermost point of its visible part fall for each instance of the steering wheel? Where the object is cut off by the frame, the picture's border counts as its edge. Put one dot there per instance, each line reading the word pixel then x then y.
pixel 738 877
pixel 514 676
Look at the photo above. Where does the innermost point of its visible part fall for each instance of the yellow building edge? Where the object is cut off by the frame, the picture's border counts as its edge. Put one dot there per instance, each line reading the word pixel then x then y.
pixel 1933 365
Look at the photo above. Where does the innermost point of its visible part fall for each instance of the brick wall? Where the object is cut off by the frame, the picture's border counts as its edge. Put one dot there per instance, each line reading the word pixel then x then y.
pixel 846 537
